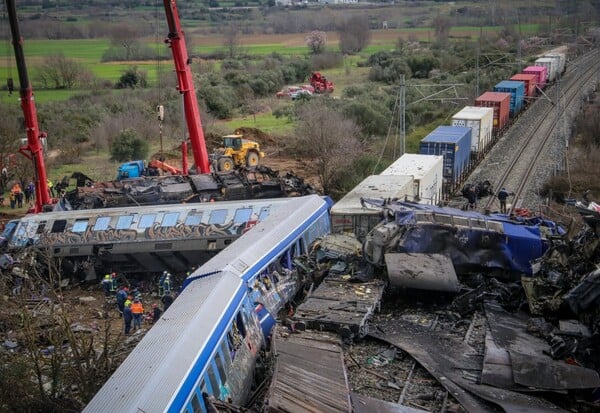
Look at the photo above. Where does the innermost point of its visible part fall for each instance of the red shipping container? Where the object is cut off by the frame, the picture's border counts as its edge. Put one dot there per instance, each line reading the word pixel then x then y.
pixel 530 82
pixel 540 71
pixel 500 101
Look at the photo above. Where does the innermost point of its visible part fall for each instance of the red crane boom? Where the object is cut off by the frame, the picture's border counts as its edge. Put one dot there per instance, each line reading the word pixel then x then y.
pixel 176 42
pixel 33 150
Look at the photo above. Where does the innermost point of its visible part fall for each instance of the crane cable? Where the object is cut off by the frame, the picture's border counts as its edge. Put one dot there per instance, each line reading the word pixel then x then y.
pixel 9 79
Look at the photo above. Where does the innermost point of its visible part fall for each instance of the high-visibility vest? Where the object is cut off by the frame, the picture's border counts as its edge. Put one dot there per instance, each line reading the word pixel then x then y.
pixel 137 308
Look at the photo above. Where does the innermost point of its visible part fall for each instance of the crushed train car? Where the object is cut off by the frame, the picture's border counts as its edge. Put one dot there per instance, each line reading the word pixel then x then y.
pixel 247 183
pixel 473 241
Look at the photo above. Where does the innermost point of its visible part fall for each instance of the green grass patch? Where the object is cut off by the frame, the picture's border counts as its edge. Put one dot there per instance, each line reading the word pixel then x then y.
pixel 264 121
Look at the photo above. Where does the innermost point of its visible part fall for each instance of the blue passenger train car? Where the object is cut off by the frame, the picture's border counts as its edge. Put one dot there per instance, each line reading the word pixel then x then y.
pixel 208 341
pixel 517 94
pixel 454 143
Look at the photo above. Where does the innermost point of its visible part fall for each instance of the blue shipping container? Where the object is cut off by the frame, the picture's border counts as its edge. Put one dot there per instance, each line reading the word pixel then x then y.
pixel 516 89
pixel 454 144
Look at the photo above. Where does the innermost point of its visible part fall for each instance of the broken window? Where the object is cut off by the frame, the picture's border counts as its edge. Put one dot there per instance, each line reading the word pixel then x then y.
pixel 214 381
pixel 59 225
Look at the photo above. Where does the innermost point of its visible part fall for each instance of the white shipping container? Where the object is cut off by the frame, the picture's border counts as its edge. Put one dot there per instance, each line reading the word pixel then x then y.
pixel 350 214
pixel 481 122
pixel 550 64
pixel 561 58
pixel 427 172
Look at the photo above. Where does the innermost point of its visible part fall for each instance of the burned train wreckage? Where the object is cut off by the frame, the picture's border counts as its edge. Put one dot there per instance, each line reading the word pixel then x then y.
pixel 246 183
pixel 473 241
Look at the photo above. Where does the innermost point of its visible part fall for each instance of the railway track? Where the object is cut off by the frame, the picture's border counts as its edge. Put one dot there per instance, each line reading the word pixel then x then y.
pixel 524 157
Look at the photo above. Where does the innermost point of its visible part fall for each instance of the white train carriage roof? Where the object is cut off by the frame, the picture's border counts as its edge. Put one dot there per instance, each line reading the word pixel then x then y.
pixel 285 223
pixel 184 336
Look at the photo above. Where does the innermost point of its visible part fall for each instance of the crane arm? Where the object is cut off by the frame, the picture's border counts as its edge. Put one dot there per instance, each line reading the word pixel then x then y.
pixel 33 150
pixel 176 42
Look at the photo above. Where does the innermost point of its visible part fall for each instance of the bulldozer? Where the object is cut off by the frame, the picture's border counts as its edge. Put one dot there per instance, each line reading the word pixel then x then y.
pixel 236 152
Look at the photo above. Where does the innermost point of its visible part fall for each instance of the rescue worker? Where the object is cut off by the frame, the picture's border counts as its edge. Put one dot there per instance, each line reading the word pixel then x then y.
pixel 50 188
pixel 167 284
pixel 137 309
pixel 121 298
pixel 113 283
pixel 156 313
pixel 106 284
pixel 128 301
pixel 127 317
pixel 161 283
pixel 502 196
pixel 167 300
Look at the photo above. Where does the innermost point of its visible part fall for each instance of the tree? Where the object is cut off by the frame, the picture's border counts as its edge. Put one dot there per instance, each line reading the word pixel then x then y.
pixel 354 33
pixel 128 146
pixel 231 39
pixel 60 72
pixel 125 35
pixel 442 27
pixel 315 41
pixel 329 139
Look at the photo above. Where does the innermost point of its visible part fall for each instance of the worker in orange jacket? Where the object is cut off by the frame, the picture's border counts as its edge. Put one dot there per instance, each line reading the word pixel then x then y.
pixel 138 313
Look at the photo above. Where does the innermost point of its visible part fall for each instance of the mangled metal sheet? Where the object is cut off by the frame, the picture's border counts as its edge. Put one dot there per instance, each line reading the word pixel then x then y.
pixel 472 240
pixel 447 358
pixel 421 271
pixel 309 374
pixel 530 364
pixel 339 246
pixel 366 404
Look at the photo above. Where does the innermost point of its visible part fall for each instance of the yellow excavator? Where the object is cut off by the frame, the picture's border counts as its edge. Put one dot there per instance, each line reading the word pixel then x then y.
pixel 236 152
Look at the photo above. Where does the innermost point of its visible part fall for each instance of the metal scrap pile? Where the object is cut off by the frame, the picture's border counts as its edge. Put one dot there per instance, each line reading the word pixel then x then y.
pixel 252 183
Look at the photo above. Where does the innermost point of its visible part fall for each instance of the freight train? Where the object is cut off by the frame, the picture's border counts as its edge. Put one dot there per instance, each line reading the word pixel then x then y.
pixel 476 128
pixel 208 341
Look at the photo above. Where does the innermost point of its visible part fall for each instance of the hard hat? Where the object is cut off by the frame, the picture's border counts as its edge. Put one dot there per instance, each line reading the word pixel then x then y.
pixel 165 272
pixel 107 277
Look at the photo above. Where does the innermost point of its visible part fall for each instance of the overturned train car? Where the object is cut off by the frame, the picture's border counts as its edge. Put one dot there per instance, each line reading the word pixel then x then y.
pixel 473 241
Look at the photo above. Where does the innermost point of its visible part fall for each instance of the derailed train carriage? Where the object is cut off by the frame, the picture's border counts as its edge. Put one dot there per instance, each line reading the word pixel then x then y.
pixel 155 238
pixel 473 241
pixel 208 341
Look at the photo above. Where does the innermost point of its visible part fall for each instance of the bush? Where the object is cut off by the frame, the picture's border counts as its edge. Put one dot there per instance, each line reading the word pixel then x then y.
pixel 220 100
pixel 128 146
pixel 326 60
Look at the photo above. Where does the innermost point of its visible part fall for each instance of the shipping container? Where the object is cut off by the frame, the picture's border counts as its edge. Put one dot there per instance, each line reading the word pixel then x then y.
pixel 517 94
pixel 351 214
pixel 541 73
pixel 481 122
pixel 427 173
pixel 500 102
pixel 530 83
pixel 551 66
pixel 454 144
pixel 562 61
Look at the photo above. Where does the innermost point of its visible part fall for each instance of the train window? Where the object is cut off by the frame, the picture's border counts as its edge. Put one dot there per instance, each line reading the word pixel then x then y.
pixel 220 367
pixel 242 215
pixel 124 222
pixel 193 219
pixel 196 406
pixel 214 381
pixel 101 223
pixel 226 350
pixel 170 219
pixel 264 213
pixel 146 221
pixel 443 219
pixel 41 227
pixel 239 322
pixel 80 225
pixel 59 225
pixel 463 221
pixel 217 216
